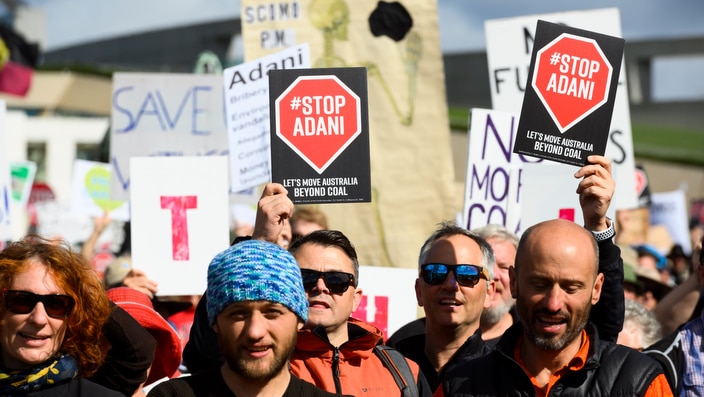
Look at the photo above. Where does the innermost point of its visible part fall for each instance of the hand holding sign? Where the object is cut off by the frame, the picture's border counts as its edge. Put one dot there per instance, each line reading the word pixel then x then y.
pixel 273 211
pixel 595 191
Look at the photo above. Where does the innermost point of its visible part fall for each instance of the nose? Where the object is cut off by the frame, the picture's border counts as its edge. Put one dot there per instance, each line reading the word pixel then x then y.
pixel 321 286
pixel 553 299
pixel 256 327
pixel 450 282
pixel 38 314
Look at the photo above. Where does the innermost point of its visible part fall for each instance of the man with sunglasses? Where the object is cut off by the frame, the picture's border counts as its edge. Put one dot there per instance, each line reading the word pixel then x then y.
pixel 450 332
pixel 554 350
pixel 335 351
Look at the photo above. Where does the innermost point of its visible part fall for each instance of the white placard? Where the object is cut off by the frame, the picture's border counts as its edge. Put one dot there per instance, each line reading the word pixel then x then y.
pixel 389 297
pixel 91 191
pixel 670 209
pixel 56 220
pixel 247 105
pixel 492 187
pixel 509 44
pixel 180 219
pixel 168 115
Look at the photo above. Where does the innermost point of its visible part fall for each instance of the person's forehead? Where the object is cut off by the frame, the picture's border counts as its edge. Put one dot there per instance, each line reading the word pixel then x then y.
pixel 328 258
pixel 456 248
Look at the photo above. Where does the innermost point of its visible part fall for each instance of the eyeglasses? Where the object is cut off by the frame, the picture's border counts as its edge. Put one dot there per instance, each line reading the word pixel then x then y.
pixel 23 302
pixel 337 282
pixel 466 275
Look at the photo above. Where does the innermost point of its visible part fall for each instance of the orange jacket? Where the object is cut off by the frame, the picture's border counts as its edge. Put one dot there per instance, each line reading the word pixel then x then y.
pixel 352 368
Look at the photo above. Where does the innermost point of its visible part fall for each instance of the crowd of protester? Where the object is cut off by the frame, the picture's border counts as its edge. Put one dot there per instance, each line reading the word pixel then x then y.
pixel 560 309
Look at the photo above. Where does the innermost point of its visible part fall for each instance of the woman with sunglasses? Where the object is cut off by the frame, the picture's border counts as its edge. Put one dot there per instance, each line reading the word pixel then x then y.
pixel 51 314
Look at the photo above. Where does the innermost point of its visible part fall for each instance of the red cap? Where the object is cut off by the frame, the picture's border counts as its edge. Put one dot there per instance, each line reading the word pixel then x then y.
pixel 167 356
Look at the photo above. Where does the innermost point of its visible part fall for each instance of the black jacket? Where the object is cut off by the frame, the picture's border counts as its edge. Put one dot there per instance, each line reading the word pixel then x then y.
pixel 413 347
pixel 610 370
pixel 210 383
pixel 607 315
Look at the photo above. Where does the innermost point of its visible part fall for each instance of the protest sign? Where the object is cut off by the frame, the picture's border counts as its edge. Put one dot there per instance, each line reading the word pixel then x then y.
pixel 157 114
pixel 91 191
pixel 56 220
pixel 247 106
pixel 5 185
pixel 493 171
pixel 670 209
pixel 22 174
pixel 408 121
pixel 379 296
pixel 509 47
pixel 320 134
pixel 570 96
pixel 180 219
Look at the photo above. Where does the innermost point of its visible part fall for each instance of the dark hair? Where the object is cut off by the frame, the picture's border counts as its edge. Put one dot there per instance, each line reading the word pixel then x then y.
pixel 73 274
pixel 329 238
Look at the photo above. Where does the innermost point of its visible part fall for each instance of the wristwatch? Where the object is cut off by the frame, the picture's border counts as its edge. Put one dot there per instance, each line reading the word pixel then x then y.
pixel 605 234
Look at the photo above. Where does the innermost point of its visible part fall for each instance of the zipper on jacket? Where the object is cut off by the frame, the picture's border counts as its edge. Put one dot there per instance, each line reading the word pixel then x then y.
pixel 336 370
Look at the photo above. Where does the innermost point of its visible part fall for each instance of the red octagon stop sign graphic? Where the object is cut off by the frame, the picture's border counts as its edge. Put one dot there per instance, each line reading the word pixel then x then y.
pixel 318 117
pixel 572 77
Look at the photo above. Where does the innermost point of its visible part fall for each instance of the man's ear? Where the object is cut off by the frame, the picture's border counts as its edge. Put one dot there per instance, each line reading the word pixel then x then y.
pixel 357 299
pixel 419 293
pixel 300 324
pixel 596 291
pixel 490 291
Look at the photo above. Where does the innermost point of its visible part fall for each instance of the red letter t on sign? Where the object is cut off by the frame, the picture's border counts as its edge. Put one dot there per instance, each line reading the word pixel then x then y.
pixel 179 223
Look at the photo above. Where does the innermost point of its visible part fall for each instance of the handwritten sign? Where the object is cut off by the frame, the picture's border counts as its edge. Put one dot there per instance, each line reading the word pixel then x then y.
pixel 165 115
pixel 180 219
pixel 493 171
pixel 247 104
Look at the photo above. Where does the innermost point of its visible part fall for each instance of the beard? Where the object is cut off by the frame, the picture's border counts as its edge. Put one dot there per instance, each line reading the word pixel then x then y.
pixel 259 370
pixel 494 314
pixel 574 328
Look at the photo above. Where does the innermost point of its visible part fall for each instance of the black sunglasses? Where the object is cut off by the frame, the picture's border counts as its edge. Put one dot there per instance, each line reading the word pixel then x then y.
pixel 466 275
pixel 23 302
pixel 337 282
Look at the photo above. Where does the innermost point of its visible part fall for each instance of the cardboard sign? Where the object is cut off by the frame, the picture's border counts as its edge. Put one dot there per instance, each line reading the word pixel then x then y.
pixel 247 105
pixel 509 43
pixel 180 219
pixel 568 104
pixel 320 134
pixel 91 191
pixel 160 114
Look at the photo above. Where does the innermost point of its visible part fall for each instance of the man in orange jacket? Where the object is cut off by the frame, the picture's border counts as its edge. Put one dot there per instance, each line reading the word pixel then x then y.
pixel 334 351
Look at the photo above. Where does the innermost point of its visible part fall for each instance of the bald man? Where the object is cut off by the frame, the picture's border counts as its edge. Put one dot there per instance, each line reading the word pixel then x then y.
pixel 554 349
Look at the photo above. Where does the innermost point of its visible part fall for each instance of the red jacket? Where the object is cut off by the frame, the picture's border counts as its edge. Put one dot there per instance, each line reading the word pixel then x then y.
pixel 352 368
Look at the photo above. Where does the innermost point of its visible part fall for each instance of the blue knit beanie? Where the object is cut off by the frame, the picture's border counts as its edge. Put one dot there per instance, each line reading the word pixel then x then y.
pixel 255 270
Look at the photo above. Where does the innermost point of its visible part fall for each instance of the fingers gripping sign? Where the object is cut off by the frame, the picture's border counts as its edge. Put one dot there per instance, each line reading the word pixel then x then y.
pixel 273 211
pixel 595 190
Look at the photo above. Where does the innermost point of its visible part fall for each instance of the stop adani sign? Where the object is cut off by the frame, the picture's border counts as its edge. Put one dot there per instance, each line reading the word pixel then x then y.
pixel 318 117
pixel 569 100
pixel 320 134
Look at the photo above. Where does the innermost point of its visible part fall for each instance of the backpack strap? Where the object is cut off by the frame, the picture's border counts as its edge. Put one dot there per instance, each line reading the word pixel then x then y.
pixel 399 368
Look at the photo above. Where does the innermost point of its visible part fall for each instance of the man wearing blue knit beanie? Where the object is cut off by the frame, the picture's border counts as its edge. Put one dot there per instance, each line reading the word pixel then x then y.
pixel 256 305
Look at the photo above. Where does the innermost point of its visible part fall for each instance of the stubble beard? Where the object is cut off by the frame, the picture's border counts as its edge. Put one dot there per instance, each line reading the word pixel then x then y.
pixel 556 343
pixel 257 372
